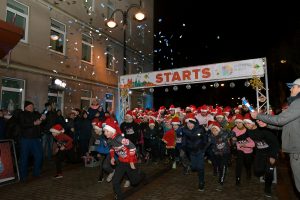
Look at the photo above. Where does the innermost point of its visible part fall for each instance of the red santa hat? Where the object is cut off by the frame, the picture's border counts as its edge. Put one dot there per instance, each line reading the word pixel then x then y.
pixel 210 123
pixel 175 120
pixel 188 108
pixel 151 122
pixel 57 129
pixel 236 110
pixel 98 126
pixel 216 125
pixel 219 113
pixel 190 117
pixel 239 118
pixel 204 108
pixel 172 107
pixel 213 111
pixel 129 114
pixel 248 119
pixel 110 126
pixel 94 121
pixel 162 108
pixel 227 109
pixel 193 108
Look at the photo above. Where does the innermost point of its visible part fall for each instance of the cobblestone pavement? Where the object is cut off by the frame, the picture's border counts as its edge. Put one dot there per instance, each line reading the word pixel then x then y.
pixel 80 183
pixel 175 185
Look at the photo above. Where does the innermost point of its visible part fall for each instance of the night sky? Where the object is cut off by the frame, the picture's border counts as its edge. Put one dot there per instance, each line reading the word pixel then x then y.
pixel 188 35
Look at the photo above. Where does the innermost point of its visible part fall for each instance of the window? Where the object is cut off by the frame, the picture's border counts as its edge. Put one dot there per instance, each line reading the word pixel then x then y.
pixel 12 94
pixel 85 99
pixel 109 58
pixel 89 5
pixel 87 48
pixel 57 36
pixel 57 97
pixel 17 13
pixel 109 99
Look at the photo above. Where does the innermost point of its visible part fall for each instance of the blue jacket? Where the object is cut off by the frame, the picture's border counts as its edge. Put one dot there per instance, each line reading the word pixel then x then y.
pixel 194 141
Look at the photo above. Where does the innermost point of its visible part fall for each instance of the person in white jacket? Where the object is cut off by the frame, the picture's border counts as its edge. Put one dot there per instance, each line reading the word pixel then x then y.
pixel 289 122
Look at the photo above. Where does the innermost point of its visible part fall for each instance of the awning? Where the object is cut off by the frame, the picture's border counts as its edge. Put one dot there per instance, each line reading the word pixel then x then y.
pixel 10 35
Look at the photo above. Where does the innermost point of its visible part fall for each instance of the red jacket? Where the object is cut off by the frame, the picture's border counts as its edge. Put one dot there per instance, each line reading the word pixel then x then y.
pixel 170 139
pixel 65 140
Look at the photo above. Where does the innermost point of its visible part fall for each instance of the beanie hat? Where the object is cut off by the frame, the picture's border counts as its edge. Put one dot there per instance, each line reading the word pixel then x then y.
pixel 151 122
pixel 110 126
pixel 27 103
pixel 216 125
pixel 248 119
pixel 239 118
pixel 175 120
pixel 57 128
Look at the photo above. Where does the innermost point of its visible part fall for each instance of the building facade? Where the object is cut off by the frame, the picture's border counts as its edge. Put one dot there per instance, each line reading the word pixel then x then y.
pixel 68 55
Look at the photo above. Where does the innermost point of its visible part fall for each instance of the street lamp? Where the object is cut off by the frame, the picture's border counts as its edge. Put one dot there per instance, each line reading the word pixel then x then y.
pixel 111 23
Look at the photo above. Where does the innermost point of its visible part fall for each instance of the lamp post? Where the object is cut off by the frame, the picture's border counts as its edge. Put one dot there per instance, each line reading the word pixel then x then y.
pixel 112 24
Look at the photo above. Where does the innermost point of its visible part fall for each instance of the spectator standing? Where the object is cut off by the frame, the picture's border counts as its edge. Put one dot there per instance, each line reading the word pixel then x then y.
pixel 31 143
pixel 84 132
pixel 289 121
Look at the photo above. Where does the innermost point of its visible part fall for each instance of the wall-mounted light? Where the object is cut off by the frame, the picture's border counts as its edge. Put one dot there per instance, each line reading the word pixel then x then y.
pixel 60 83
pixel 54 37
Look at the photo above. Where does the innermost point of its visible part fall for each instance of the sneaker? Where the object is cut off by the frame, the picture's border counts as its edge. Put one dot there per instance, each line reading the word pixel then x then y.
pixel 100 179
pixel 238 182
pixel 219 188
pixel 268 192
pixel 126 184
pixel 201 188
pixel 58 176
pixel 110 176
pixel 174 165
pixel 187 170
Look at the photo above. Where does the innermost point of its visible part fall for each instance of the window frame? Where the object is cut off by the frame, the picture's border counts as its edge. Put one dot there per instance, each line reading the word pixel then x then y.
pixel 88 44
pixel 25 40
pixel 109 101
pixel 110 53
pixel 10 89
pixel 61 32
pixel 58 94
pixel 85 98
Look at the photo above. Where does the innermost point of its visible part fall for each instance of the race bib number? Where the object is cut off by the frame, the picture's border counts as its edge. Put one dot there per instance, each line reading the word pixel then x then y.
pixel 220 146
pixel 97 142
pixel 179 140
pixel 130 131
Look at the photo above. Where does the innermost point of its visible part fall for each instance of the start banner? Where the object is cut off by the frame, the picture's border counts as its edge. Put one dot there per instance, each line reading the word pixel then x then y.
pixel 206 73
